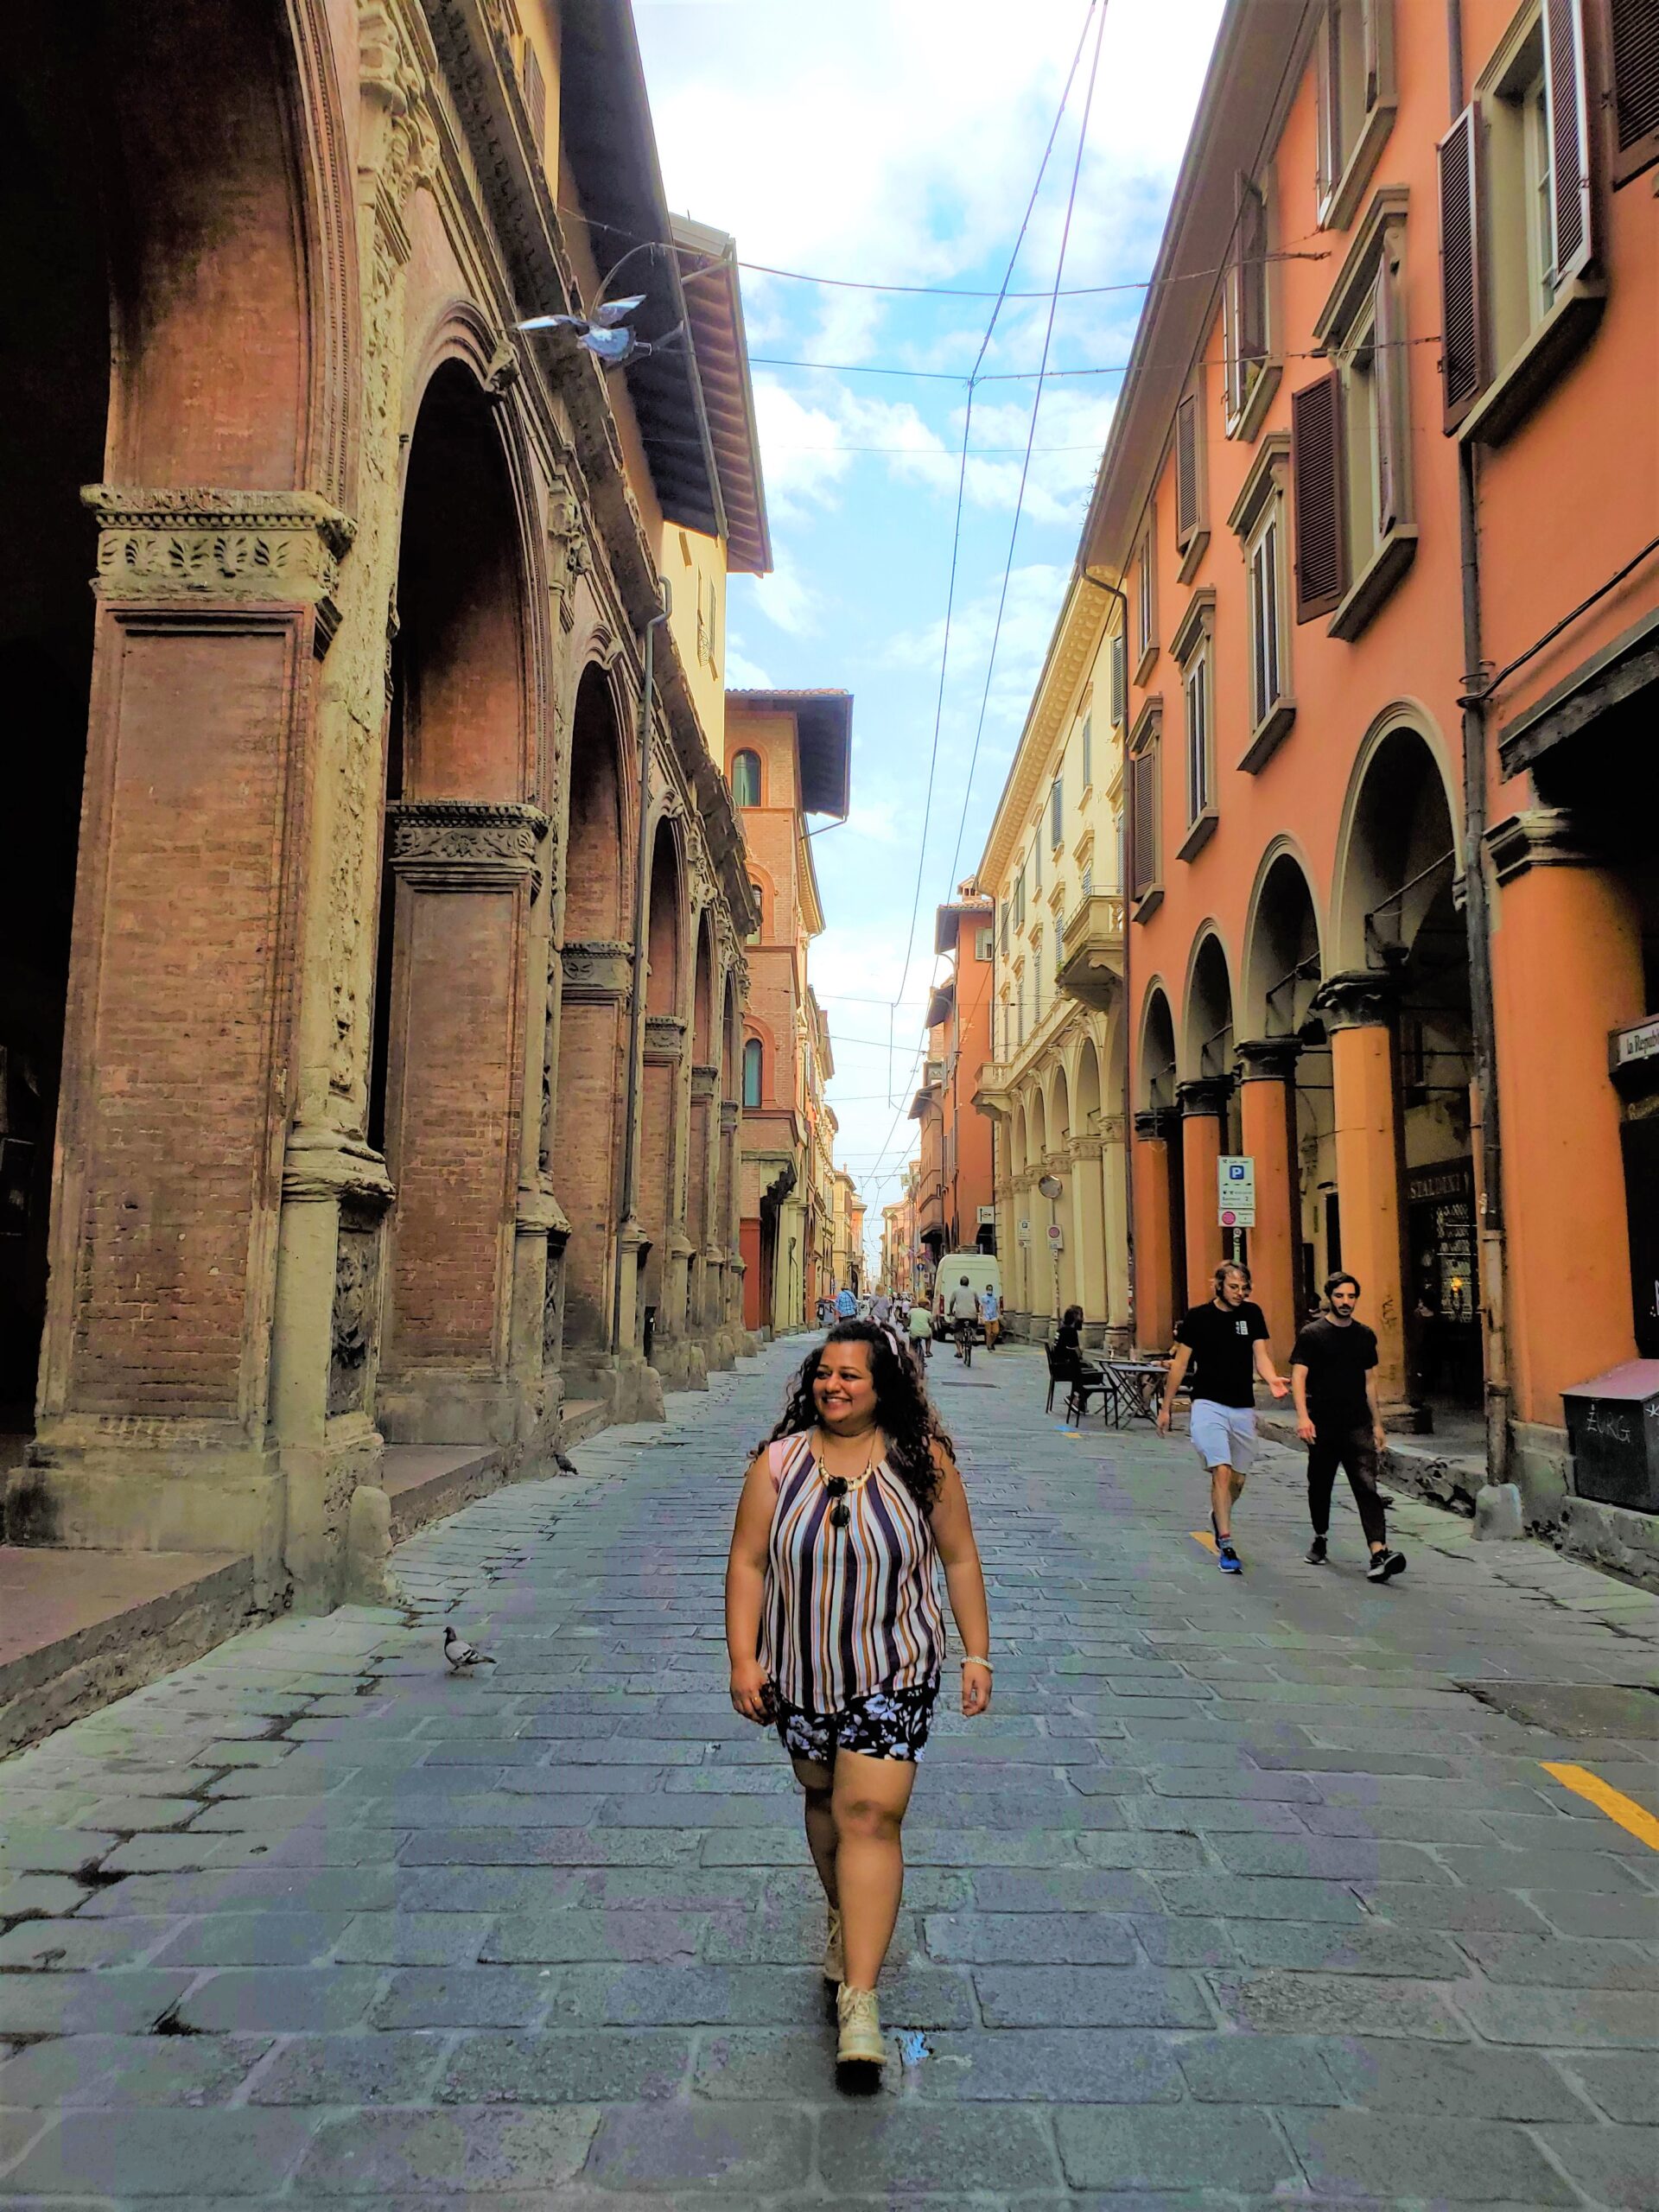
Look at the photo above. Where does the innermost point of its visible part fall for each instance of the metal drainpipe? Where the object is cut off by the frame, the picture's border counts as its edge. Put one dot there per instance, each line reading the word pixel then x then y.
pixel 1126 892
pixel 1476 913
pixel 636 1011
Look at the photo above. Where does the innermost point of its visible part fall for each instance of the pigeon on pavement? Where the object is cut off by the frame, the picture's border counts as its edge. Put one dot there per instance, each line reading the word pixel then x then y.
pixel 461 1653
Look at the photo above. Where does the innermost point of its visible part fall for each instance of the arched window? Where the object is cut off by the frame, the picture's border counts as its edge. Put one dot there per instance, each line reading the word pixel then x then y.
pixel 752 1073
pixel 746 779
pixel 755 934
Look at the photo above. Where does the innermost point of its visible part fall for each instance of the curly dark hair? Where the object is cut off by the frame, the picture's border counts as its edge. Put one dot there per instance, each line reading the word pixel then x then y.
pixel 903 1411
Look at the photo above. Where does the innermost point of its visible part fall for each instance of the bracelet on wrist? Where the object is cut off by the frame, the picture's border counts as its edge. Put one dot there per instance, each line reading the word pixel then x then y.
pixel 972 1662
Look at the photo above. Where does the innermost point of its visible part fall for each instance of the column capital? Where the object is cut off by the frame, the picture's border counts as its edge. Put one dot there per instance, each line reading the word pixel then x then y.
pixel 1086 1147
pixel 1362 998
pixel 1541 837
pixel 467 844
pixel 1207 1095
pixel 1156 1125
pixel 1267 1060
pixel 179 545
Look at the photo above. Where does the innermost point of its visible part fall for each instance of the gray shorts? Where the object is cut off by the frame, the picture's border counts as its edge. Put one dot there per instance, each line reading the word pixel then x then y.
pixel 1224 1436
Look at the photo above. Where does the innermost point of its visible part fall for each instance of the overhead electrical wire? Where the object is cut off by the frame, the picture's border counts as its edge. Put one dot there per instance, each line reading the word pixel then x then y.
pixel 956 533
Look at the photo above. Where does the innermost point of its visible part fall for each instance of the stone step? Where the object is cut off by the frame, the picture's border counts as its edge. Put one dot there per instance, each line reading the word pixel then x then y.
pixel 79 1627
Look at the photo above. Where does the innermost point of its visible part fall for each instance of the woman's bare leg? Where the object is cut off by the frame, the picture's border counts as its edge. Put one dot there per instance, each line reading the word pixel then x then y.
pixel 818 1781
pixel 868 1803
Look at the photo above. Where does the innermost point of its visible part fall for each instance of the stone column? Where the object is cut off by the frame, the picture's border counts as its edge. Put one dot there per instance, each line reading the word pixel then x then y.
pixel 1087 1233
pixel 1267 1114
pixel 1114 1182
pixel 662 1196
pixel 1059 1272
pixel 1567 970
pixel 213 611
pixel 1358 1012
pixel 467 871
pixel 1025 1265
pixel 1154 1230
pixel 1203 1104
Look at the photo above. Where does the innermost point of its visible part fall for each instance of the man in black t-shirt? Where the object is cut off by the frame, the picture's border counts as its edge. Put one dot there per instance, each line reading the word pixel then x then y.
pixel 1333 1383
pixel 1227 1337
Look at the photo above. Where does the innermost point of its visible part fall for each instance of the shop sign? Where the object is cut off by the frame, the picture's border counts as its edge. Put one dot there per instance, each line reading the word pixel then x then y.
pixel 1235 1191
pixel 1025 1232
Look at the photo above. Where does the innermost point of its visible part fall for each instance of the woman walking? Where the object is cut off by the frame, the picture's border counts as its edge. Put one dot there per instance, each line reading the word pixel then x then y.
pixel 835 1636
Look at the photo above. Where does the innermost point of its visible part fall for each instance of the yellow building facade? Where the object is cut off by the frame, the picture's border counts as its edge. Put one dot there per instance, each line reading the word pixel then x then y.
pixel 1054 1087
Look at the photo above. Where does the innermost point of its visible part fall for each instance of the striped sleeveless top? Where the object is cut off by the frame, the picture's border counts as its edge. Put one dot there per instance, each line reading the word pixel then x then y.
pixel 848 1611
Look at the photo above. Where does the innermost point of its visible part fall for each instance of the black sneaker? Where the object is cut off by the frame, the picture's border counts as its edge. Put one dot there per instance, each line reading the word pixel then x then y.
pixel 1229 1560
pixel 1316 1551
pixel 1385 1565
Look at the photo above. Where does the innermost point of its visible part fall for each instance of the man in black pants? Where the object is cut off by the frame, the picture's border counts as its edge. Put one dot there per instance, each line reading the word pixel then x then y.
pixel 1333 1385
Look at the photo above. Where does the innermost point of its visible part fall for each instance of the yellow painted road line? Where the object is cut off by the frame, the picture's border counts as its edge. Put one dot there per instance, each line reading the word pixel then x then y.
pixel 1203 1537
pixel 1617 1806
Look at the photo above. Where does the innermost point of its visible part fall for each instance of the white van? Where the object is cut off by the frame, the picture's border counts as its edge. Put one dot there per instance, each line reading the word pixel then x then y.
pixel 980 1268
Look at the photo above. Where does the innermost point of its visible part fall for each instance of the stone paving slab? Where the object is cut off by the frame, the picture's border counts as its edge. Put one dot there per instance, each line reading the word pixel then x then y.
pixel 1241 1896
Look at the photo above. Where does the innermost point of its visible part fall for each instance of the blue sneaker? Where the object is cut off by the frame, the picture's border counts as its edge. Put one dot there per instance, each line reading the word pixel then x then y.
pixel 1226 1558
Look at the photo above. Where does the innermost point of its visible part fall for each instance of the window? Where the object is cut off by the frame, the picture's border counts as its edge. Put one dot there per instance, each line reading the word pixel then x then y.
pixel 1020 900
pixel 1089 750
pixel 1252 372
pixel 983 944
pixel 752 1064
pixel 1192 505
pixel 1351 436
pixel 1518 297
pixel 1037 867
pixel 1258 520
pixel 1192 647
pixel 1146 803
pixel 1057 813
pixel 758 931
pixel 1120 680
pixel 1037 974
pixel 1356 88
pixel 1089 880
pixel 1146 606
pixel 1006 904
pixel 746 779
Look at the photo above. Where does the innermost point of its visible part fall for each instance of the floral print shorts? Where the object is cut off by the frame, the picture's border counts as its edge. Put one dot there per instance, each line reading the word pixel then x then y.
pixel 886 1724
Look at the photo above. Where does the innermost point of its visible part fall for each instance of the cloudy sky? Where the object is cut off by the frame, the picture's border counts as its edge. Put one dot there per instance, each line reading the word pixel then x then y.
pixel 896 142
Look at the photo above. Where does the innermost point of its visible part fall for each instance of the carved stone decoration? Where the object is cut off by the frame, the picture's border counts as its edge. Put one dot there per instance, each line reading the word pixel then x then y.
pixel 1112 1129
pixel 355 1310
pixel 705 1081
pixel 181 544
pixel 665 1036
pixel 597 969
pixel 730 1114
pixel 503 372
pixel 568 554
pixel 463 844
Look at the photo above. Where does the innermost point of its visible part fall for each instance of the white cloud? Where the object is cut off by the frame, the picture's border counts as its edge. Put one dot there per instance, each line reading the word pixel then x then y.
pixel 741 673
pixel 786 598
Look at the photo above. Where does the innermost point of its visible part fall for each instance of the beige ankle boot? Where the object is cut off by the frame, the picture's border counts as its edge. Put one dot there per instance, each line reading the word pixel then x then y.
pixel 834 1958
pixel 861 2053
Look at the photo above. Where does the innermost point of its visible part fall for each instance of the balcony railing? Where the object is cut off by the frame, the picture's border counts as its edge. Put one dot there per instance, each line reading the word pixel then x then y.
pixel 1091 949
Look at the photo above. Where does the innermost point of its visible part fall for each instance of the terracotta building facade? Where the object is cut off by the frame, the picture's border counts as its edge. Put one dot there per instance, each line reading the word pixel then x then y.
pixel 1052 1085
pixel 362 909
pixel 788 755
pixel 1380 498
pixel 954 1208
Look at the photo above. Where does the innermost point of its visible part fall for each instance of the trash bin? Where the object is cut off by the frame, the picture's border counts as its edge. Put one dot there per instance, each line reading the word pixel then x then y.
pixel 1613 1425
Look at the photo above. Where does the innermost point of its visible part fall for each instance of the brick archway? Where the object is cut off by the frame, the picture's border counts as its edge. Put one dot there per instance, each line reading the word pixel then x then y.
pixel 174 224
pixel 594 981
pixel 662 1201
pixel 465 854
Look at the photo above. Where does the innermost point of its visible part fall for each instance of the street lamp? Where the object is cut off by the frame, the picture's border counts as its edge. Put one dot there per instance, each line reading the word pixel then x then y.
pixel 1051 1188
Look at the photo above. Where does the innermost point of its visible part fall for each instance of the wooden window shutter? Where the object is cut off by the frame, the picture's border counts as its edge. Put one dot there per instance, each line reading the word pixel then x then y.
pixel 1252 282
pixel 1120 680
pixel 1144 801
pixel 1632 37
pixel 1569 136
pixel 1316 488
pixel 535 90
pixel 1463 336
pixel 1187 467
pixel 1388 383
pixel 1327 84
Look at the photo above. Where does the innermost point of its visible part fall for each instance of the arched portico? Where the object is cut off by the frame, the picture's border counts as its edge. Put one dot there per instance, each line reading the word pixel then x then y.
pixel 465 856
pixel 594 966
pixel 1160 1256
pixel 173 219
pixel 661 1205
pixel 1398 1014
pixel 1284 1095
pixel 1209 1111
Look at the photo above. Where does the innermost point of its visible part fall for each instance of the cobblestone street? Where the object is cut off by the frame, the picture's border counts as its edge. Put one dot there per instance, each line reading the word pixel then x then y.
pixel 1248 1889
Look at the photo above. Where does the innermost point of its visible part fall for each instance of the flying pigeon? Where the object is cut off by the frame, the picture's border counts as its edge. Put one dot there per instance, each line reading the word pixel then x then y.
pixel 605 332
pixel 461 1654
